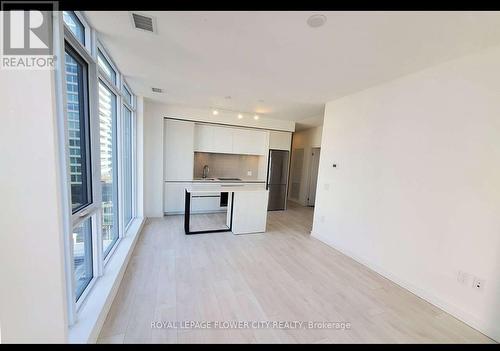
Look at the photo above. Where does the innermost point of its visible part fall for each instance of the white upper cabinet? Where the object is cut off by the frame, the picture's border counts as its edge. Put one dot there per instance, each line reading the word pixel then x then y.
pixel 203 137
pixel 230 140
pixel 213 139
pixel 222 140
pixel 250 142
pixel 178 150
pixel 280 140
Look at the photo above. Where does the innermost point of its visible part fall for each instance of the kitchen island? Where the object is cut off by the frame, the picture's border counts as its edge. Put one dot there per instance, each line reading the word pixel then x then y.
pixel 246 207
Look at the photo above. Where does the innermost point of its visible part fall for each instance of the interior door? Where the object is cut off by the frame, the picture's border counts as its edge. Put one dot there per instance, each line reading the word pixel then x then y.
pixel 313 176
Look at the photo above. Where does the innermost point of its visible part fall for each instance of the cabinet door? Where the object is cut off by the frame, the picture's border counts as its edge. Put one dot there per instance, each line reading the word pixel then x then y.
pixel 222 139
pixel 206 203
pixel 203 138
pixel 250 142
pixel 173 197
pixel 178 150
pixel 280 140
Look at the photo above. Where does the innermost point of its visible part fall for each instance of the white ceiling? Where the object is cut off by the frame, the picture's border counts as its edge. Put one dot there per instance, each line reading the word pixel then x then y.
pixel 272 63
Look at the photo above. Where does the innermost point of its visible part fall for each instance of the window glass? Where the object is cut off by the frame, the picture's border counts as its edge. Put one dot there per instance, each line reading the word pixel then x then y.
pixel 109 184
pixel 82 255
pixel 127 165
pixel 75 25
pixel 106 67
pixel 127 95
pixel 78 137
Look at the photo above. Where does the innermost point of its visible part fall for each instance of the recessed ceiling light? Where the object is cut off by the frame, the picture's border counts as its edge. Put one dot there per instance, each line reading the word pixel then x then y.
pixel 240 116
pixel 256 117
pixel 215 112
pixel 316 21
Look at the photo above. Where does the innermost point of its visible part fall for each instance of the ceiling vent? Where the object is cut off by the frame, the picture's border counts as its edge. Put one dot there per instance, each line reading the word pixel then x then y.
pixel 144 22
pixel 157 90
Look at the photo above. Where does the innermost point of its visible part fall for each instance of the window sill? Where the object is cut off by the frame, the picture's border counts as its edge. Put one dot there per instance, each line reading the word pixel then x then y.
pixel 93 312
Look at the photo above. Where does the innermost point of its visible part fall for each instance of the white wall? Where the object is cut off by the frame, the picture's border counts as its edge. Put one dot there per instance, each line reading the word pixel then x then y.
pixel 32 288
pixel 140 156
pixel 153 160
pixel 154 114
pixel 305 139
pixel 416 191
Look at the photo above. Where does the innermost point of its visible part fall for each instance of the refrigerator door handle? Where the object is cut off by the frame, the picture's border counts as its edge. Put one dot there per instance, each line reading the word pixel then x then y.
pixel 269 168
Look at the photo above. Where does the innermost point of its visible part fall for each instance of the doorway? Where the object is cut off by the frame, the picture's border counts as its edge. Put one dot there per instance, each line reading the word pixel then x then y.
pixel 313 176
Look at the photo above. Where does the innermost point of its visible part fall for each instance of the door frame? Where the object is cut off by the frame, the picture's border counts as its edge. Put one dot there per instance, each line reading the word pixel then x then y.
pixel 310 176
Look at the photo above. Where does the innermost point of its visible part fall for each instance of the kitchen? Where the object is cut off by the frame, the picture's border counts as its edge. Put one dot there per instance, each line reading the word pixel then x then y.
pixel 224 177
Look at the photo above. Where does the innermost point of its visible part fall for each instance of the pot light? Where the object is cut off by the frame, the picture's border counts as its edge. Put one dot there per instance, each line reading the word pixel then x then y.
pixel 215 112
pixel 256 117
pixel 240 116
pixel 316 21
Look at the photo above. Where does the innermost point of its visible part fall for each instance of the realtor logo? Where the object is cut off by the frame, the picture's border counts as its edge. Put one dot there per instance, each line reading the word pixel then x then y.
pixel 27 39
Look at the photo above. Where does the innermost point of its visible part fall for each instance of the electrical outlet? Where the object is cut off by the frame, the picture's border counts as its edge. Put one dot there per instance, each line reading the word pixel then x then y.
pixel 478 283
pixel 322 219
pixel 249 173
pixel 463 278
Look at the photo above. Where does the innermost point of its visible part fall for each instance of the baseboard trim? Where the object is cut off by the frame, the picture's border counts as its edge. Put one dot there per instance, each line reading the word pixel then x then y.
pixel 488 329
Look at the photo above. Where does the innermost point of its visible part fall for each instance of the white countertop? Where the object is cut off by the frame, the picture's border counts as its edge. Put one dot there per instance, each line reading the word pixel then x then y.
pixel 230 188
pixel 215 180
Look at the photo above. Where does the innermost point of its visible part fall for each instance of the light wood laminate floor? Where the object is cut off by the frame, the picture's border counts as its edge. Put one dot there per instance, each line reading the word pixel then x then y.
pixel 282 275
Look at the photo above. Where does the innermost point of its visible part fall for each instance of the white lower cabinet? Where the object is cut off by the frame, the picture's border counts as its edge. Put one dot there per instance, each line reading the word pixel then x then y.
pixel 174 200
pixel 173 197
pixel 206 203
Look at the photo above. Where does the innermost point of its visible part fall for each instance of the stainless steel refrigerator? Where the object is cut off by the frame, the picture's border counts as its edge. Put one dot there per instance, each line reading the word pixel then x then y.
pixel 277 179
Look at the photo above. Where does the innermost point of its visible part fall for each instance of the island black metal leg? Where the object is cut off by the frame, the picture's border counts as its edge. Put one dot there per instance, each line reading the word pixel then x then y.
pixel 187 216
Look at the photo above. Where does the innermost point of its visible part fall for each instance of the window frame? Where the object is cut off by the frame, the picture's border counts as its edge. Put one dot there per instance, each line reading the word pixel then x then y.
pixel 115 89
pixel 86 28
pixel 132 108
pixel 85 111
pixel 64 37
pixel 101 50
pixel 126 225
pixel 92 209
pixel 116 167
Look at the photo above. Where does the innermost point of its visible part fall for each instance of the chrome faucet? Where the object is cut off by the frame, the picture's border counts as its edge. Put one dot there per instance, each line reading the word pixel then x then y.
pixel 205 171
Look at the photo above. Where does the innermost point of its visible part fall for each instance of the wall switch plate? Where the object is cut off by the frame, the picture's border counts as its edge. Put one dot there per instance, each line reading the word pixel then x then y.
pixel 327 186
pixel 478 283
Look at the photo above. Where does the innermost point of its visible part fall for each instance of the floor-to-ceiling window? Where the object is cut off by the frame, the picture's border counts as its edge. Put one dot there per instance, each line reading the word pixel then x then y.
pixel 109 169
pixel 80 175
pixel 128 156
pixel 99 120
